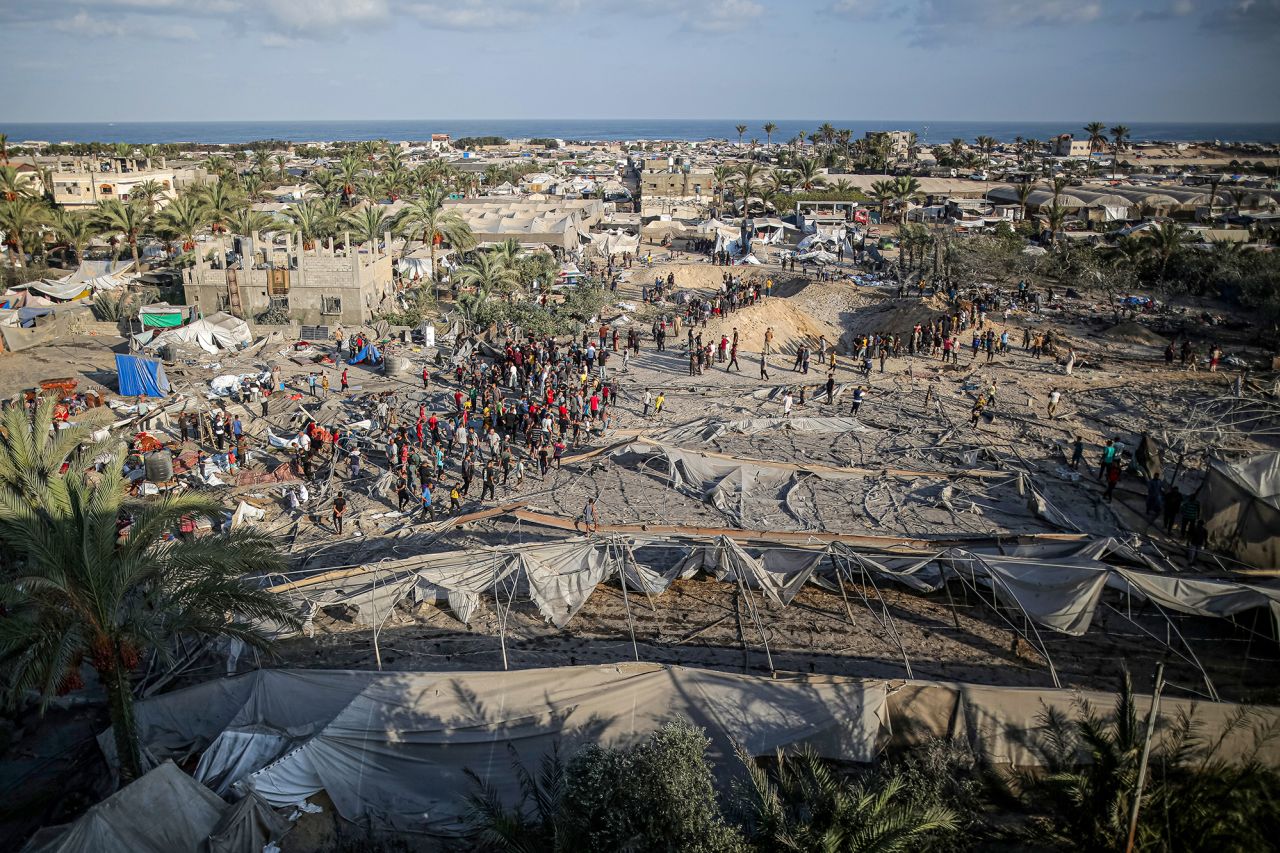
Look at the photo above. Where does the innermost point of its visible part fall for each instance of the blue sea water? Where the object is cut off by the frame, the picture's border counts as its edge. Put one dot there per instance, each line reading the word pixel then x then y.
pixel 932 133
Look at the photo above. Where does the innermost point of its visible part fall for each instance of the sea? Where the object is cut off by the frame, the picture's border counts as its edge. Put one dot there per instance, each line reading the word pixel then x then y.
pixel 929 132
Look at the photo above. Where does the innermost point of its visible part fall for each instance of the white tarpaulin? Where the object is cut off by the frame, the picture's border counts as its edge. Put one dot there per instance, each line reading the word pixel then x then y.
pixel 396 754
pixel 216 330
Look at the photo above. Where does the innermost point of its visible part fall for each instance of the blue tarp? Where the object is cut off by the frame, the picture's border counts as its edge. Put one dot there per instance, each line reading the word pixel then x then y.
pixel 139 375
pixel 367 353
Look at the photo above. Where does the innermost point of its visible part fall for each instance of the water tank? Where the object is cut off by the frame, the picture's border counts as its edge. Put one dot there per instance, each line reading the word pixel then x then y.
pixel 394 365
pixel 159 465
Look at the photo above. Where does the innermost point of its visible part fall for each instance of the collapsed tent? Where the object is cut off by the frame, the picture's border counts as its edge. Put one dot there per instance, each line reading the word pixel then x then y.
pixel 1057 586
pixel 139 376
pixel 1240 505
pixel 615 242
pixel 217 330
pixel 393 749
pixel 368 353
pixel 166 811
pixel 709 429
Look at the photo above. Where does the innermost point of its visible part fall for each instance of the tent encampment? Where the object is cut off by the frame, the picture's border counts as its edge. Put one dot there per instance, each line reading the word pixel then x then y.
pixel 139 376
pixel 1240 505
pixel 162 315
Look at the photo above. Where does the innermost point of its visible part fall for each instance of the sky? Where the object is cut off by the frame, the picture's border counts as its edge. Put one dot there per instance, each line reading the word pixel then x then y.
pixel 961 60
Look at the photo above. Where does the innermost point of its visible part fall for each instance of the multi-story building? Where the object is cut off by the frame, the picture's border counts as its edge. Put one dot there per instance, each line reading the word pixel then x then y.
pixel 314 285
pixel 1065 145
pixel 899 142
pixel 85 181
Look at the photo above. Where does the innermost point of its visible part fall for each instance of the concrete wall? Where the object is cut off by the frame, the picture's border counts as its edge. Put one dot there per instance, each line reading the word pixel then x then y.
pixel 361 281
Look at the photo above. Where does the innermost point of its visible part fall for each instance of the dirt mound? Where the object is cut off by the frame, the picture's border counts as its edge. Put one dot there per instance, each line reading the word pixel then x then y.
pixel 897 316
pixel 1135 333
pixel 790 326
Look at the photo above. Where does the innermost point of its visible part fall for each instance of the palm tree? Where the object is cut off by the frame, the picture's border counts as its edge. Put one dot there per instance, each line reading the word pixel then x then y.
pixel 488 273
pixel 742 128
pixel 184 216
pixel 721 175
pixel 957 148
pixel 4 148
pixel 221 200
pixel 73 228
pixel 1119 134
pixel 368 224
pixel 827 133
pixel 349 170
pixel 130 219
pixel 83 591
pixel 1024 191
pixel 905 188
pixel 806 171
pixel 804 805
pixel 12 184
pixel 748 181
pixel 147 193
pixel 427 218
pixel 1214 183
pixel 246 222
pixel 323 182
pixel 769 128
pixel 312 220
pixel 883 192
pixel 282 160
pixel 509 251
pixel 18 220
pixel 986 145
pixel 1056 216
pixel 253 188
pixel 1097 136
pixel 1166 241
pixel 262 162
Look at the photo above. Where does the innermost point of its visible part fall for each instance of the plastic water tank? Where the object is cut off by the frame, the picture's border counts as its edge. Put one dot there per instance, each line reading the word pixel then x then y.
pixel 159 465
pixel 395 364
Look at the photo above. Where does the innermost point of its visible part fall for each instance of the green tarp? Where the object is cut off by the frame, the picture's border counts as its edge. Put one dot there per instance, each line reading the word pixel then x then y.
pixel 163 321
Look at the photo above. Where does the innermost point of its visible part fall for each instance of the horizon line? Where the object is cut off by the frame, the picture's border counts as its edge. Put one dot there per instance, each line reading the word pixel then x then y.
pixel 633 119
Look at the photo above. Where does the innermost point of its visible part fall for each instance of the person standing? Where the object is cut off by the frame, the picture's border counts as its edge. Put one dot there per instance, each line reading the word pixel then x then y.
pixel 648 401
pixel 658 403
pixel 858 394
pixel 324 384
pixel 426 378
pixel 1077 453
pixel 345 386
pixel 1108 455
pixel 1172 508
pixel 428 505
pixel 591 516
pixel 764 366
pixel 312 381
pixel 1055 396
pixel 1113 477
pixel 339 511
pixel 831 388
pixel 1190 514
pixel 733 357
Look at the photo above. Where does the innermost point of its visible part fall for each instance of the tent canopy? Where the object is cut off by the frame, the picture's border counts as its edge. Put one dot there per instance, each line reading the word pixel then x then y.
pixel 139 376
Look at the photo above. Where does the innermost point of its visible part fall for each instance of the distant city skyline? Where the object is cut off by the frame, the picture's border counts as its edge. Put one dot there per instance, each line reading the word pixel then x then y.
pixel 950 60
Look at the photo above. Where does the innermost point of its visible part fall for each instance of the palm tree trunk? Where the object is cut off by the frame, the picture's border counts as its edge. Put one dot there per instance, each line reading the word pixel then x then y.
pixel 123 725
pixel 137 262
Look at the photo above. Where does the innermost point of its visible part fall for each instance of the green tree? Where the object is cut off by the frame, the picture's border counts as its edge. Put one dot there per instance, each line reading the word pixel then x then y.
pixel 807 173
pixel 1024 191
pixel 1165 242
pixel 129 219
pixel 656 796
pixel 81 589
pixel 1119 136
pixel 748 181
pixel 246 222
pixel 803 805
pixel 312 220
pixel 488 273
pixel 73 228
pixel 769 128
pixel 426 218
pixel 742 128
pixel 19 220
pixel 184 216
pixel 905 188
pixel 12 185
pixel 368 224
pixel 221 200
pixel 148 193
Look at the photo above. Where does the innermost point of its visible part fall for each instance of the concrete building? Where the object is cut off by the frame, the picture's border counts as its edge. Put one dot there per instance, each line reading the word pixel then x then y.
pixel 1065 145
pixel 899 142
pixel 315 286
pixel 85 181
pixel 440 143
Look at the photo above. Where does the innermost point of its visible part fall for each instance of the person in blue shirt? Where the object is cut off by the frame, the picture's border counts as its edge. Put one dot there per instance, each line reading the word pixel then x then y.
pixel 428 507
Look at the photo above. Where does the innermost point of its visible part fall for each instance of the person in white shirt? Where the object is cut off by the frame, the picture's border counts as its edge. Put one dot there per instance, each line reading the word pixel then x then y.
pixel 786 402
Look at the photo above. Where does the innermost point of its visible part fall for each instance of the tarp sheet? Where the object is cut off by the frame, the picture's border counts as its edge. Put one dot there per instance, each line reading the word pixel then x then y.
pixel 1240 505
pixel 166 811
pixel 396 753
pixel 220 330
pixel 139 376
pixel 369 353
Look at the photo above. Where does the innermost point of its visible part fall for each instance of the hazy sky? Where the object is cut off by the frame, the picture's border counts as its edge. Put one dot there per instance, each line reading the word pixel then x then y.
pixel 1116 60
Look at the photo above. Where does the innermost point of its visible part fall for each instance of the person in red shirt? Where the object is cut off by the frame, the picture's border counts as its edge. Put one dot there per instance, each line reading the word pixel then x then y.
pixel 344 379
